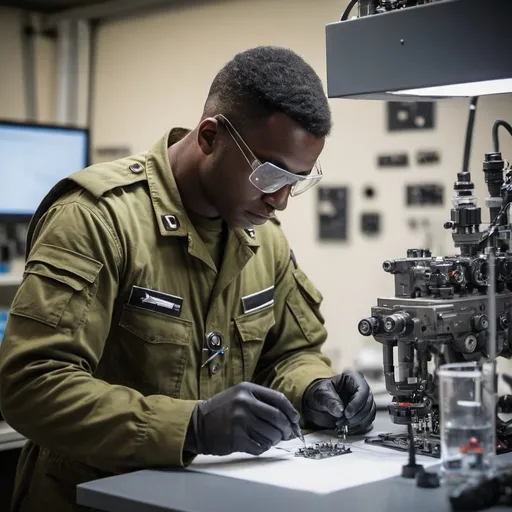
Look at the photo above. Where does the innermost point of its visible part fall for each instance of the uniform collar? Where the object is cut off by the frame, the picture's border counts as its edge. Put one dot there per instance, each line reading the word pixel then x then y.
pixel 170 213
pixel 171 216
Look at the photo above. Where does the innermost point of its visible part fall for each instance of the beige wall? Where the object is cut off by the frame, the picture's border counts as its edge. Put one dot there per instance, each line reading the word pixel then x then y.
pixel 46 76
pixel 12 92
pixel 12 104
pixel 154 70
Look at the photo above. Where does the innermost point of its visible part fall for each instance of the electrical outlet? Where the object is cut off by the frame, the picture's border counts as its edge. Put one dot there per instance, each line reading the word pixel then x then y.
pixel 393 160
pixel 370 223
pixel 332 212
pixel 415 115
pixel 424 194
pixel 428 157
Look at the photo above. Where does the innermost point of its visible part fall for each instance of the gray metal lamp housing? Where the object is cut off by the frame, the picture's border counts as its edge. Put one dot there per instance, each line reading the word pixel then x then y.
pixel 447 48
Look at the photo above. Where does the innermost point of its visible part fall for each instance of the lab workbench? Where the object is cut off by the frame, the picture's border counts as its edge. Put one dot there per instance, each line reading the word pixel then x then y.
pixel 182 490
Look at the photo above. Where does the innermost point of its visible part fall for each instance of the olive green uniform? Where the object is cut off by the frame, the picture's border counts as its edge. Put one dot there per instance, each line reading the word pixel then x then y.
pixel 103 355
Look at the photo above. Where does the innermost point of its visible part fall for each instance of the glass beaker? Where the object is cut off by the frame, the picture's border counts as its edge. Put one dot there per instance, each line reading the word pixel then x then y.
pixel 468 409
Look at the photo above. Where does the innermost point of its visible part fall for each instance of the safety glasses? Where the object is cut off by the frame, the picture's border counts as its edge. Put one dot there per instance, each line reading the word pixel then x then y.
pixel 269 178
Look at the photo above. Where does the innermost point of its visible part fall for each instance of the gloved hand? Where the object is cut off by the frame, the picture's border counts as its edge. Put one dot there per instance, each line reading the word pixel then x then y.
pixel 244 418
pixel 346 398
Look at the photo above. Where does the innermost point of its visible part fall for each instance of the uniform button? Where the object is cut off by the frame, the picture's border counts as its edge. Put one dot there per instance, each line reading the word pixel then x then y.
pixel 214 340
pixel 136 168
pixel 215 369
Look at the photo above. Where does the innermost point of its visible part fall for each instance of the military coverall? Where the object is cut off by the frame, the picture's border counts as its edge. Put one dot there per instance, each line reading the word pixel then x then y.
pixel 101 361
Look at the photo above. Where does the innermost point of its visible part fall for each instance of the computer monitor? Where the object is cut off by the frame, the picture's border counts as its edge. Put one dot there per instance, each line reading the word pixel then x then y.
pixel 33 158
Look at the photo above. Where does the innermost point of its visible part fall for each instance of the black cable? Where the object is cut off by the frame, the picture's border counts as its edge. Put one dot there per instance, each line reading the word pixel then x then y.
pixel 93 43
pixel 495 126
pixel 469 134
pixel 349 7
pixel 412 451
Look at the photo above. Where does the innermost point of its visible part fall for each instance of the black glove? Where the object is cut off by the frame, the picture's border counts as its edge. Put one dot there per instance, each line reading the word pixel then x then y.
pixel 245 418
pixel 344 398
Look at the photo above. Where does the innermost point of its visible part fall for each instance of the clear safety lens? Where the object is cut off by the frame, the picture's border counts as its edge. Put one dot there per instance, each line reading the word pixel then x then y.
pixel 303 185
pixel 269 178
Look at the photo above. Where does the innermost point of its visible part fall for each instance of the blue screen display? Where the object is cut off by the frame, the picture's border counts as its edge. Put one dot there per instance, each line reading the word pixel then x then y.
pixel 32 160
pixel 3 322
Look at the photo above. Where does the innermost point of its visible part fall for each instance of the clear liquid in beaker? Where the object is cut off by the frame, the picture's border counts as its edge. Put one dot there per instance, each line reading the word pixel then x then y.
pixel 466 450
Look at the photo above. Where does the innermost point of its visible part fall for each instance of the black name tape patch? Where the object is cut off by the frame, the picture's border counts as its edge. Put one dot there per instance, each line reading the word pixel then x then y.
pixel 165 303
pixel 259 300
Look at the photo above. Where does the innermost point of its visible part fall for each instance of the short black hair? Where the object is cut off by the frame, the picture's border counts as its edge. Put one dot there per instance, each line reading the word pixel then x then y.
pixel 268 79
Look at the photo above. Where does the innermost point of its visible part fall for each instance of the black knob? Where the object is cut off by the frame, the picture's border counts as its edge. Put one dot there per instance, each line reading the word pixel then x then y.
pixel 388 266
pixel 396 323
pixel 368 326
pixel 457 276
pixel 503 321
pixel 469 344
pixel 480 322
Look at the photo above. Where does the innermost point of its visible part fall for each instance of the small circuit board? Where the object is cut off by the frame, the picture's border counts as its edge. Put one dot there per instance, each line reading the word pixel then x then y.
pixel 322 450
pixel 424 445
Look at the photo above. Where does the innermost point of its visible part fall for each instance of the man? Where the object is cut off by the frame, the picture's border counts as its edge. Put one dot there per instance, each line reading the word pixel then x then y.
pixel 162 313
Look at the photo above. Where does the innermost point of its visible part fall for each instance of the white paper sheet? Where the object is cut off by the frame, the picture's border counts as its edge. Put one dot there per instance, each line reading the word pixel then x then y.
pixel 367 463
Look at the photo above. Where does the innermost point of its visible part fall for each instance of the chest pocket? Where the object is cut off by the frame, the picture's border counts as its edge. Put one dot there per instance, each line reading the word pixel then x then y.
pixel 251 331
pixel 154 350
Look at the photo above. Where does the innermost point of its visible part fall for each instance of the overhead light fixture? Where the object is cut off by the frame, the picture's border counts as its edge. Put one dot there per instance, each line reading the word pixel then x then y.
pixel 468 89
pixel 447 48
